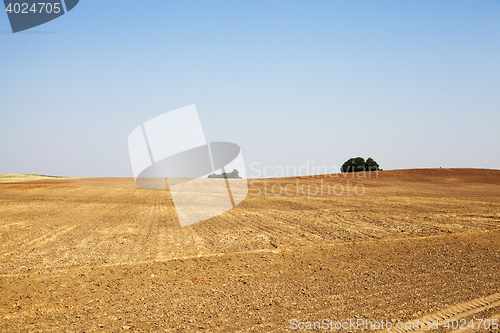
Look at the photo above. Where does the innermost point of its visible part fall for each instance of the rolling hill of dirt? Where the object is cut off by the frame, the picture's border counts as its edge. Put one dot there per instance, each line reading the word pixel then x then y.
pixel 101 254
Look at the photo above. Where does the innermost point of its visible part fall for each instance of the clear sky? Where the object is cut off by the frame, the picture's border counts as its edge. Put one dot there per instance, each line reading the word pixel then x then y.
pixel 413 84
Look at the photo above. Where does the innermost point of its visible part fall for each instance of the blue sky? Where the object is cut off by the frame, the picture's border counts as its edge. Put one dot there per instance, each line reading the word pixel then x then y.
pixel 413 84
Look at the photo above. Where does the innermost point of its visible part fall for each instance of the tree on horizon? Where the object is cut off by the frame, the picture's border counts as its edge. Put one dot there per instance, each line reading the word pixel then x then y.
pixel 233 174
pixel 358 164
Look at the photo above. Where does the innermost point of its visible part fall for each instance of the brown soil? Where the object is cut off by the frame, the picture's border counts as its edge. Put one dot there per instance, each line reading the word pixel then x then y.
pixel 103 255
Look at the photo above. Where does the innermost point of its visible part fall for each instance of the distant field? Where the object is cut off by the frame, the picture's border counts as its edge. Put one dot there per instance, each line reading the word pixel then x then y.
pixel 7 178
pixel 101 254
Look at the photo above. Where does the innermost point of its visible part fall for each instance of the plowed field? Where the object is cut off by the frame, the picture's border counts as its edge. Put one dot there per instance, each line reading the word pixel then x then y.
pixel 101 254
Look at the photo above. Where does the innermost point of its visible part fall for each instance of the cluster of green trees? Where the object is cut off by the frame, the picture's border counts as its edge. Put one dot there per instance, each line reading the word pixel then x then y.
pixel 232 174
pixel 358 164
